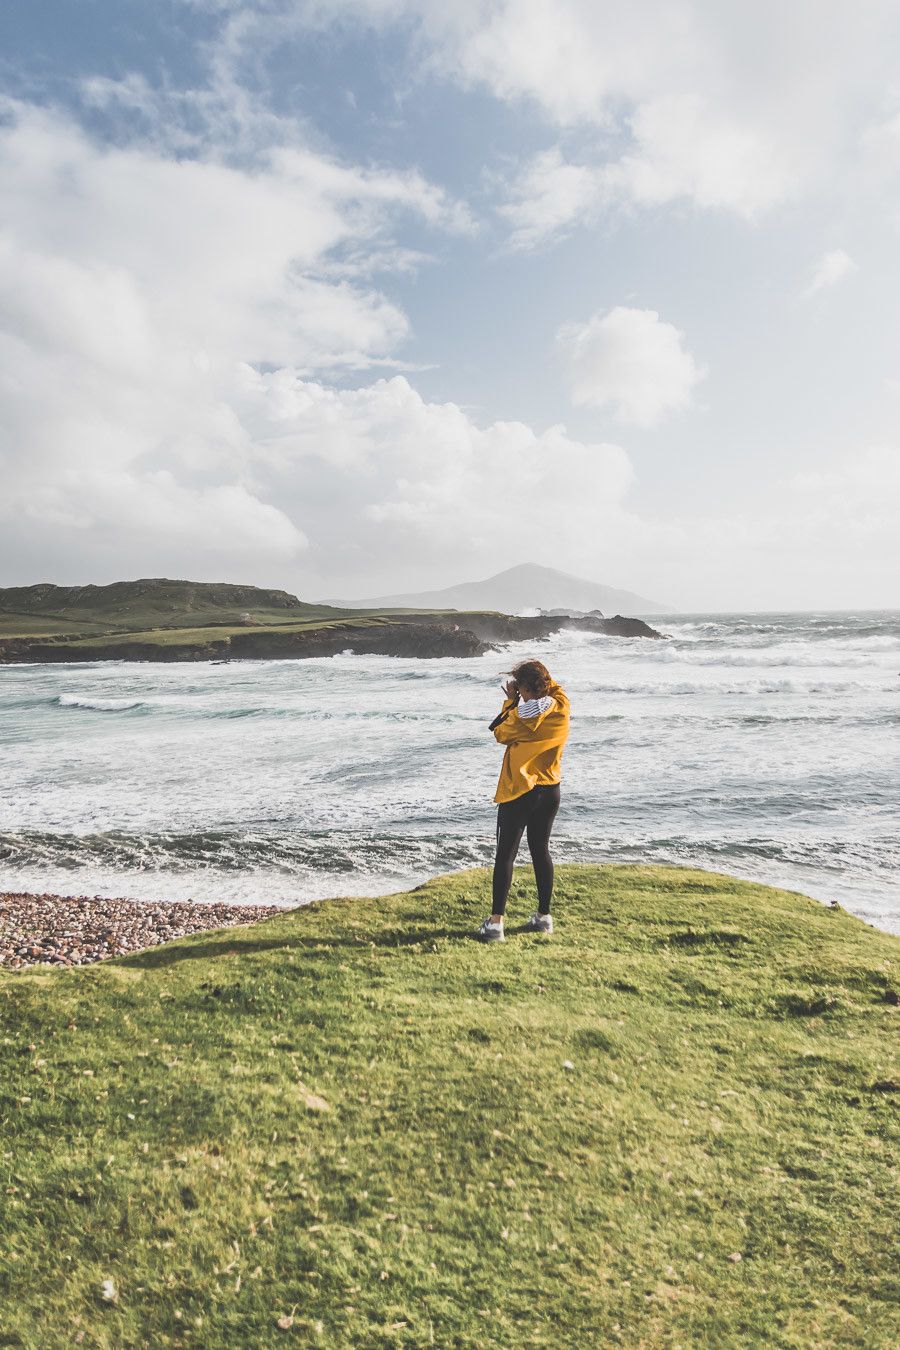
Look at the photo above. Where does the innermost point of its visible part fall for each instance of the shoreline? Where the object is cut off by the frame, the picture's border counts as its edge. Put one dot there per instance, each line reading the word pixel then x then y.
pixel 64 931
pixel 422 636
pixel 49 930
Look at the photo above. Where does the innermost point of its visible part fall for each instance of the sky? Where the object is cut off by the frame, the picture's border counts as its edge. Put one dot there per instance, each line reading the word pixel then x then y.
pixel 353 297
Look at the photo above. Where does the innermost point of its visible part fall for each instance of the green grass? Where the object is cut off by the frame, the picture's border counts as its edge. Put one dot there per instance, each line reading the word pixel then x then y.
pixel 144 608
pixel 174 637
pixel 357 1122
pixel 148 603
pixel 199 629
pixel 172 613
pixel 205 633
pixel 99 634
pixel 42 626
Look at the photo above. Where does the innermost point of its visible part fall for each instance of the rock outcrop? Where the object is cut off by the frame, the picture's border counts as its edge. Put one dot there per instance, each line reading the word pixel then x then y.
pixel 387 639
pixel 419 636
pixel 510 628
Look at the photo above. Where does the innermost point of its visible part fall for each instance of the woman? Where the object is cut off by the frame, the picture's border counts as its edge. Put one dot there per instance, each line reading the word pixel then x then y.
pixel 533 724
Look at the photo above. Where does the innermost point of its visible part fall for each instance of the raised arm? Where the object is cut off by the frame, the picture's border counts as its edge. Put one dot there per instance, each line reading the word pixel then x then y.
pixel 517 724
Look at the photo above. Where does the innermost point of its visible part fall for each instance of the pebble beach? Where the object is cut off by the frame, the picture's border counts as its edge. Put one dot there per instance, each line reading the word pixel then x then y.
pixel 56 930
pixel 763 746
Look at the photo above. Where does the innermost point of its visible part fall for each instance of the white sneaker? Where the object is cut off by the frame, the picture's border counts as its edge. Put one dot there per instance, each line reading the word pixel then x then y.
pixel 491 932
pixel 540 923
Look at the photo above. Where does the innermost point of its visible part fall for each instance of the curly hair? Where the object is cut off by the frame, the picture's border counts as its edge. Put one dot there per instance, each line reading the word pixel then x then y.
pixel 534 675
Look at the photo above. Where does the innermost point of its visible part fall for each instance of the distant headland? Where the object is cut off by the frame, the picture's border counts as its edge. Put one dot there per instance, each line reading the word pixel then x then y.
pixel 157 619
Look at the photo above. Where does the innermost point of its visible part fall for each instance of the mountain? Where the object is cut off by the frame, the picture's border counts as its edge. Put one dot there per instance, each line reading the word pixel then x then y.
pixel 525 587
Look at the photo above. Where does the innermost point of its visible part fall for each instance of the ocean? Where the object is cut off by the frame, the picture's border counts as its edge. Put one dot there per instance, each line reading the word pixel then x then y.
pixel 761 745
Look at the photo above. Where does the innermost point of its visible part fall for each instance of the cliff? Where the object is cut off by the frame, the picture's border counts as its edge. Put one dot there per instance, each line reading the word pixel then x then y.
pixel 156 619
pixel 414 636
pixel 389 639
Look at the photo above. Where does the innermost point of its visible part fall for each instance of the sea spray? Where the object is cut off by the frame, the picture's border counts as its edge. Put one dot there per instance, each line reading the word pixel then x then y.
pixel 763 745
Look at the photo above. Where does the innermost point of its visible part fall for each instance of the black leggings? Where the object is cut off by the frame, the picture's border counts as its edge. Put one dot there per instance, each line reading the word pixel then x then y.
pixel 533 812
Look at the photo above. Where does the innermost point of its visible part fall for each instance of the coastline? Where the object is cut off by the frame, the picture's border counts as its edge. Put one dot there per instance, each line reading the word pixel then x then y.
pixel 420 636
pixel 762 749
pixel 45 929
pixel 65 931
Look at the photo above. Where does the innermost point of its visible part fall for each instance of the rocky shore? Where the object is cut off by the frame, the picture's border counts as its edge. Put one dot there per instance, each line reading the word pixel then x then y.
pixel 383 638
pixel 415 635
pixel 502 628
pixel 55 930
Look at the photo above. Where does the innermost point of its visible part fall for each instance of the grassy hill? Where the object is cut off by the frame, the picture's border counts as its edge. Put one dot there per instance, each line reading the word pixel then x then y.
pixel 153 602
pixel 675 1123
pixel 173 613
pixel 160 620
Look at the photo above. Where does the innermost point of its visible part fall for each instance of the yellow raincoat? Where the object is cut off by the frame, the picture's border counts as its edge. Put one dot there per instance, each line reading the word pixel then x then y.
pixel 534 745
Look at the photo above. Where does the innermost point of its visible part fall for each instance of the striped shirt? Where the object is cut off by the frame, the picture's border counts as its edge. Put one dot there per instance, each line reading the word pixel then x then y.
pixel 534 707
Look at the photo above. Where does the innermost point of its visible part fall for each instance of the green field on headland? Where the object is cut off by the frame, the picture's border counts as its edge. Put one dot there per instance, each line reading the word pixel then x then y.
pixel 159 611
pixel 156 619
pixel 161 620
pixel 154 602
pixel 672 1124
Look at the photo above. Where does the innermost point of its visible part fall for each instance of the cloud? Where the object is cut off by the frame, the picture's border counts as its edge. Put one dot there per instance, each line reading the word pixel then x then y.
pixel 679 149
pixel 226 119
pixel 631 361
pixel 865 487
pixel 351 484
pixel 169 329
pixel 392 476
pixel 725 107
pixel 684 147
pixel 550 197
pixel 731 109
pixel 240 266
pixel 831 268
pixel 182 306
pixel 135 287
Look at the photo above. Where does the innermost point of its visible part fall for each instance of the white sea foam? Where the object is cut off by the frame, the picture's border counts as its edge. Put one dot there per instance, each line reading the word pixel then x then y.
pixel 808 655
pixel 759 744
pixel 98 704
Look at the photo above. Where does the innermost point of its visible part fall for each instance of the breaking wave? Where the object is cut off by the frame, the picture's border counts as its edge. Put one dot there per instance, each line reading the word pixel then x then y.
pixel 99 704
pixel 763 745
